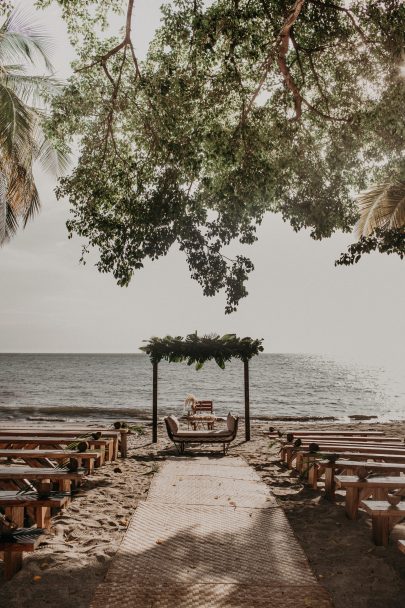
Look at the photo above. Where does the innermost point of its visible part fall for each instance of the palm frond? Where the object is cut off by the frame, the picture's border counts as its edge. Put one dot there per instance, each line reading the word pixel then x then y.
pixel 15 123
pixel 3 207
pixel 11 223
pixel 31 89
pixel 53 159
pixel 22 38
pixel 381 206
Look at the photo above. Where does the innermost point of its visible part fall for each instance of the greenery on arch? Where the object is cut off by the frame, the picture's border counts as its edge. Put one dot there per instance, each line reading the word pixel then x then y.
pixel 198 349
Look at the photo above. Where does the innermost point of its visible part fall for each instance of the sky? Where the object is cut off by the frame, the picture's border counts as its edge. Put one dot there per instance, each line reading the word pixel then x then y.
pixel 298 301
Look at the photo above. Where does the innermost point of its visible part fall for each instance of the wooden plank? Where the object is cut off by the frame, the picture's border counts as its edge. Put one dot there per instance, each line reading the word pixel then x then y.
pixel 32 442
pixel 379 508
pixel 353 439
pixel 20 472
pixel 119 435
pixel 322 433
pixel 347 481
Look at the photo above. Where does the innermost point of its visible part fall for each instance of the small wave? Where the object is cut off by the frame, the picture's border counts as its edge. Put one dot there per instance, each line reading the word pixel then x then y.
pixel 81 411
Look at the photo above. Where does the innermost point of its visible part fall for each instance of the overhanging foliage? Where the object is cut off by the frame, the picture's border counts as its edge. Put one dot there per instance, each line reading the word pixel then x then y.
pixel 240 108
pixel 199 349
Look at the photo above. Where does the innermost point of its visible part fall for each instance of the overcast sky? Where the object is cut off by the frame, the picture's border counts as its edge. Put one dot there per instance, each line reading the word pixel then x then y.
pixel 298 301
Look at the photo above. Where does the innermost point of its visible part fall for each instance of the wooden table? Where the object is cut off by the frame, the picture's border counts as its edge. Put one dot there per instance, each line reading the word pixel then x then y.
pixel 37 457
pixel 120 436
pixel 199 421
pixel 383 518
pixel 360 489
pixel 104 445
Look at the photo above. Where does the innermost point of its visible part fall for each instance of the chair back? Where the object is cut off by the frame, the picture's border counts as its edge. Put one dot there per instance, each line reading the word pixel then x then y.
pixel 204 406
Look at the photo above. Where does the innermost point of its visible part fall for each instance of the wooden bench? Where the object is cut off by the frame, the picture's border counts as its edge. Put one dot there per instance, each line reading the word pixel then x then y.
pixel 22 541
pixel 105 446
pixel 392 464
pixel 383 518
pixel 328 433
pixel 360 489
pixel 15 503
pixel 119 436
pixel 288 453
pixel 44 457
pixel 43 477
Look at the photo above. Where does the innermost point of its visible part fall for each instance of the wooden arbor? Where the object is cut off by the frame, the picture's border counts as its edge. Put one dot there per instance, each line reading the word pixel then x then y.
pixel 197 350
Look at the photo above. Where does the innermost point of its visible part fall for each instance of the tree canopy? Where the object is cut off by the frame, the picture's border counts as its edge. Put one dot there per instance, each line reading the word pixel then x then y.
pixel 240 107
pixel 198 349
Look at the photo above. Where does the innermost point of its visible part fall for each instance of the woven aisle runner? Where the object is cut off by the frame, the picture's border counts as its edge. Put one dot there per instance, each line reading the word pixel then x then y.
pixel 209 535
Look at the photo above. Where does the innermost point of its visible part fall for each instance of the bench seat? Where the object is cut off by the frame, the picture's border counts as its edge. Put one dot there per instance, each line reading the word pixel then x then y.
pixel 383 518
pixel 22 541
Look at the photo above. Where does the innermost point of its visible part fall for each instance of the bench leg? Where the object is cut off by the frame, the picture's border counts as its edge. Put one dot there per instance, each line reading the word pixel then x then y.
pixel 352 502
pixel 124 445
pixel 16 515
pixel 313 476
pixel 330 482
pixel 64 485
pixel 381 530
pixel 12 563
pixel 43 517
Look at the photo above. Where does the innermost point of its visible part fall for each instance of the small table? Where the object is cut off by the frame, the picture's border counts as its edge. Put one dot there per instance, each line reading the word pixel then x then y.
pixel 198 421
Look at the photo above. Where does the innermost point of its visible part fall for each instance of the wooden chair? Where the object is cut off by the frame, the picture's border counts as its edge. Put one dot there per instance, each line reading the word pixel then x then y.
pixel 203 406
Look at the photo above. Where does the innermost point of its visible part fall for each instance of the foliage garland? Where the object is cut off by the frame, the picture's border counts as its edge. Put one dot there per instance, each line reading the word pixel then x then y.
pixel 199 349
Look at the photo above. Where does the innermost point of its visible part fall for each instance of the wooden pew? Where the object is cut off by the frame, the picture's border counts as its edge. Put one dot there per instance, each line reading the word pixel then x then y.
pixel 359 489
pixel 392 463
pixel 23 541
pixel 119 436
pixel 43 477
pixel 328 433
pixel 288 453
pixel 36 457
pixel 383 518
pixel 14 504
pixel 104 445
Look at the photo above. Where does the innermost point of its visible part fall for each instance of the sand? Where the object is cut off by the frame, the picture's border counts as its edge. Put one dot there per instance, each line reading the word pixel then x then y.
pixel 65 570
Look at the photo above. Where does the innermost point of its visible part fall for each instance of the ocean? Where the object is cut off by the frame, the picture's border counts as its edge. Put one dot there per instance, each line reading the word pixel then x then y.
pixel 97 387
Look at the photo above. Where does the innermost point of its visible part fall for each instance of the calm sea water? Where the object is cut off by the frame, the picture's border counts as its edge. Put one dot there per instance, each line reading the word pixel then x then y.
pixel 100 387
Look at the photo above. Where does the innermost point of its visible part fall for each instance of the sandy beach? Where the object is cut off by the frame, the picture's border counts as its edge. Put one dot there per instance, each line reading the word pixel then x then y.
pixel 65 570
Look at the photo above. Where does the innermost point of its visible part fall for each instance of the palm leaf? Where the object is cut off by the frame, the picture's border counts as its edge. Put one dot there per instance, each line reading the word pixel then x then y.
pixel 22 38
pixel 381 206
pixel 3 207
pixel 15 123
pixel 31 89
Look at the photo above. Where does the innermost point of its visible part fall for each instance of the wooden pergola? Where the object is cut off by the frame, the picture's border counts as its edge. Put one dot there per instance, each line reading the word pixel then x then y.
pixel 197 350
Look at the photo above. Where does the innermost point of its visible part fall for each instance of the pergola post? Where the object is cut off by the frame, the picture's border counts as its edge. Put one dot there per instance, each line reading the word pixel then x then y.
pixel 154 403
pixel 247 405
